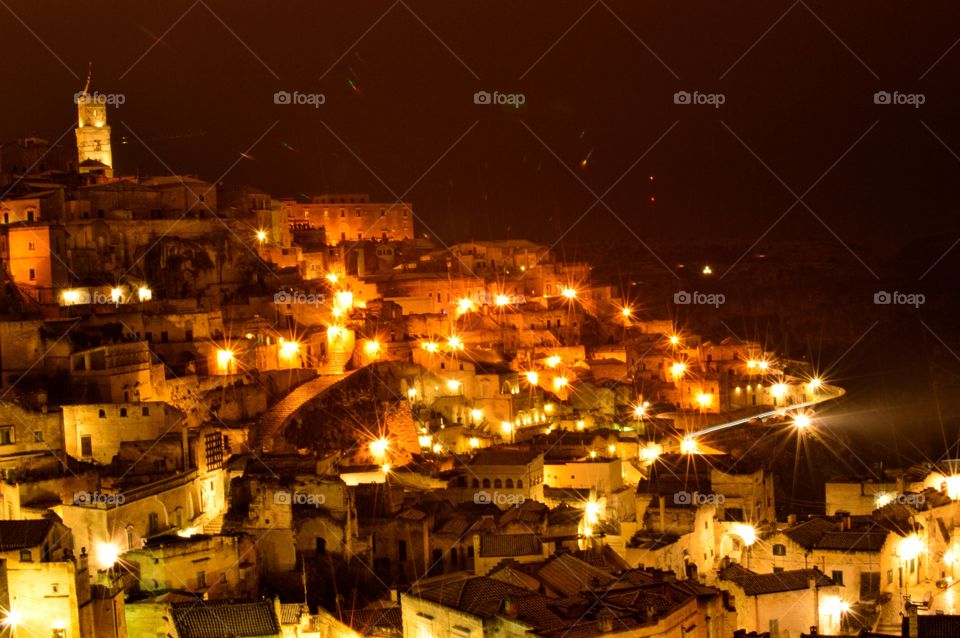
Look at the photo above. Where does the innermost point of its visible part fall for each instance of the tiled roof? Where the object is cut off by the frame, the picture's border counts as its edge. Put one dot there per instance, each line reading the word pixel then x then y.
pixel 290 613
pixel 367 621
pixel 23 534
pixel 225 619
pixel 853 541
pixel 754 584
pixel 509 545
pixel 568 575
pixel 808 533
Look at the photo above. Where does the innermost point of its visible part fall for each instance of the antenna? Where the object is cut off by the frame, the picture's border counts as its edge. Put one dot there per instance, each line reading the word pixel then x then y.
pixel 86 89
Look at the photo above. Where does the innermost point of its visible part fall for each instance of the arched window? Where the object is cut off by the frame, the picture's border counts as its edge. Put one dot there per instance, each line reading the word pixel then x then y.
pixel 476 483
pixel 486 482
pixel 497 483
pixel 509 483
pixel 519 483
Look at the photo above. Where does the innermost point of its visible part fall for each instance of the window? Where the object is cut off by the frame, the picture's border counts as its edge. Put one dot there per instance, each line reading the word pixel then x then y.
pixel 837 576
pixel 497 483
pixel 123 412
pixel 31 246
pixel 6 435
pixel 145 411
pixel 201 580
pixel 486 482
pixel 154 523
pixel 26 556
pixel 778 570
pixel 509 483
pixel 103 413
pixel 38 437
pixel 779 550
pixel 86 446
pixel 402 550
pixel 519 483
pixel 33 274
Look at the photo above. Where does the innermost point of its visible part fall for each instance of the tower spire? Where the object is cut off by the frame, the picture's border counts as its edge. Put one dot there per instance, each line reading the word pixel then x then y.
pixel 86 89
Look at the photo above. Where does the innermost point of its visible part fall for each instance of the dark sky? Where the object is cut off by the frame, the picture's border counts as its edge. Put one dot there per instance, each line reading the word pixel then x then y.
pixel 798 81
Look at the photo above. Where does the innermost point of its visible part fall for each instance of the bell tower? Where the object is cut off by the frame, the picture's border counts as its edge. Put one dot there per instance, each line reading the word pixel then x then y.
pixel 93 134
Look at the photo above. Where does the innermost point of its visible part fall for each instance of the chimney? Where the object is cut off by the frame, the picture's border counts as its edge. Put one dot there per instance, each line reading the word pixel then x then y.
pixel 814 629
pixel 605 622
pixel 509 606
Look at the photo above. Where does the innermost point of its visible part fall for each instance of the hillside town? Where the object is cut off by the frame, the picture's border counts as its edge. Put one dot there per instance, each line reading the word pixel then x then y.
pixel 228 414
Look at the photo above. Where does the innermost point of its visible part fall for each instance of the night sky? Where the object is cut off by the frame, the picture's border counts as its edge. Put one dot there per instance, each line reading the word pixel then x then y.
pixel 598 80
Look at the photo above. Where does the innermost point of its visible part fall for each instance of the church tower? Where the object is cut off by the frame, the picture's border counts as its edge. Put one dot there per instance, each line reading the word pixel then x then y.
pixel 93 133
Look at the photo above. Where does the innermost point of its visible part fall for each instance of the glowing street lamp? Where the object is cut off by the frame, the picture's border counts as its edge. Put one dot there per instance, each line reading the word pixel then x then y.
pixel 116 295
pixel 674 340
pixel 261 236
pixel 678 369
pixel 476 415
pixel 379 447
pixel 651 451
pixel 778 390
pixel 289 349
pixel 105 554
pixel 453 385
pixel 639 411
pixel 455 343
pixel 704 400
pixel 532 377
pixel 553 361
pixel 344 299
pixel 626 312
pixel 814 384
pixel 144 293
pixel 332 277
pixel 559 383
pixel 430 346
pixel 569 293
pixel 225 359
pixel 802 421
pixel 12 619
pixel 464 305
pixel 688 445
pixel 745 532
pixel 501 300
pixel 372 348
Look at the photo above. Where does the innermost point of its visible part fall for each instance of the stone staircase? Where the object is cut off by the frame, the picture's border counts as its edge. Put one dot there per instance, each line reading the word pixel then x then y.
pixel 335 362
pixel 274 419
pixel 214 525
